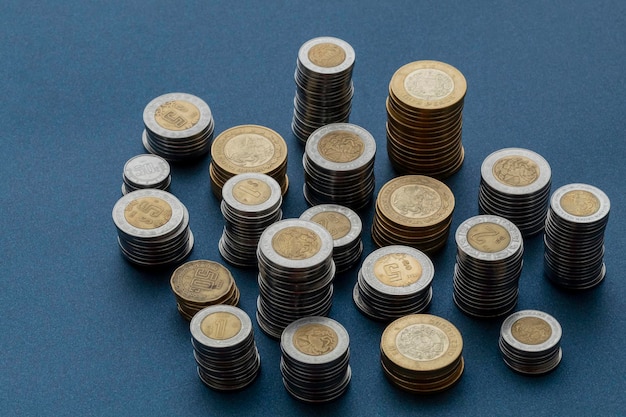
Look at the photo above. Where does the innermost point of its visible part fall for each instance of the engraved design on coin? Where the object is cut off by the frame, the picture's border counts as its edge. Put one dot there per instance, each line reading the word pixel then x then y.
pixel 221 325
pixel 415 201
pixel 428 84
pixel 177 115
pixel 336 223
pixel 251 191
pixel 249 150
pixel 341 146
pixel 580 203
pixel 148 212
pixel 327 55
pixel 315 339
pixel 516 171
pixel 201 281
pixel 422 342
pixel 398 270
pixel 296 243
pixel 488 237
pixel 146 169
pixel 531 330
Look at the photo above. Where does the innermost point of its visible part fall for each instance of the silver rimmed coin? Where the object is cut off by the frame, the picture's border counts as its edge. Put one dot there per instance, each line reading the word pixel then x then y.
pixel 146 171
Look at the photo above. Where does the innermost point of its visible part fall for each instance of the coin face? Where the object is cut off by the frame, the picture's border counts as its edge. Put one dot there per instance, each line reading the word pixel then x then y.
pixel 429 84
pixel 201 281
pixel 398 270
pixel 296 243
pixel 531 330
pixel 488 237
pixel 249 150
pixel 580 203
pixel 146 169
pixel 327 55
pixel 422 342
pixel 516 171
pixel 221 325
pixel 315 339
pixel 177 115
pixel 251 191
pixel 337 224
pixel 148 212
pixel 341 146
pixel 415 201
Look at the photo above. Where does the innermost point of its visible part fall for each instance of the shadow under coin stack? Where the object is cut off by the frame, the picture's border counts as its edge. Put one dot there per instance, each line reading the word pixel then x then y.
pixel 199 284
pixel 530 342
pixel 296 272
pixel 422 353
pixel 179 127
pixel 339 166
pixel 413 210
pixel 248 148
pixel 153 228
pixel 394 281
pixel 515 184
pixel 488 265
pixel 425 119
pixel 224 348
pixel 146 171
pixel 323 85
pixel 251 202
pixel 574 236
pixel 315 361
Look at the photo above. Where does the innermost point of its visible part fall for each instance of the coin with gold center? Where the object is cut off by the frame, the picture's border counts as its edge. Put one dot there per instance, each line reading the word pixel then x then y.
pixel 148 212
pixel 488 237
pixel 516 171
pixel 338 224
pixel 327 55
pixel 296 243
pixel 580 203
pixel 177 115
pixel 531 330
pixel 251 191
pixel 221 325
pixel 398 270
pixel 315 339
pixel 341 146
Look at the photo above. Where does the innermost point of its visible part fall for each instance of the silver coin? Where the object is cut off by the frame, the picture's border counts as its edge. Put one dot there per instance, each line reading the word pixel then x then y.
pixel 368 144
pixel 464 245
pixel 195 327
pixel 270 204
pixel 324 356
pixel 146 171
pixel 528 169
pixel 346 64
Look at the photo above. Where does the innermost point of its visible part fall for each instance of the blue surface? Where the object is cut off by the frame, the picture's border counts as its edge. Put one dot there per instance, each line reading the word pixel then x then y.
pixel 85 333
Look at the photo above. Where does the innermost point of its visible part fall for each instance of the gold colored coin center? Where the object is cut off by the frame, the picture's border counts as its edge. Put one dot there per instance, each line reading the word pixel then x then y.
pixel 148 212
pixel 429 84
pixel 422 342
pixel 249 150
pixel 251 191
pixel 177 115
pixel 415 201
pixel 296 243
pixel 531 330
pixel 516 171
pixel 221 325
pixel 315 339
pixel 580 203
pixel 327 55
pixel 398 270
pixel 488 237
pixel 336 223
pixel 202 281
pixel 341 146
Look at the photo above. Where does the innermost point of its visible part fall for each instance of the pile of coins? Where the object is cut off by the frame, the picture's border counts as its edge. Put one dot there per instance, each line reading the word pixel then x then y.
pixel 574 236
pixel 425 119
pixel 152 227
pixel 224 348
pixel 315 360
pixel 345 227
pixel 413 210
pixel 323 85
pixel 250 203
pixel 394 281
pixel 146 171
pixel 296 272
pixel 248 148
pixel 515 184
pixel 178 127
pixel 339 166
pixel 422 353
pixel 199 284
pixel 488 265
pixel 530 342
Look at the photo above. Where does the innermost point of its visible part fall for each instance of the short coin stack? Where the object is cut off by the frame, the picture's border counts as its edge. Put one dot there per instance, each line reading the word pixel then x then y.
pixel 422 353
pixel 425 119
pixel 248 148
pixel 178 126
pixel 489 262
pixel 345 227
pixel 199 284
pixel 413 210
pixel 224 347
pixel 251 202
pixel 530 342
pixel 315 359
pixel 146 171
pixel 323 85
pixel 515 184
pixel 296 272
pixel 394 281
pixel 574 236
pixel 152 227
pixel 339 166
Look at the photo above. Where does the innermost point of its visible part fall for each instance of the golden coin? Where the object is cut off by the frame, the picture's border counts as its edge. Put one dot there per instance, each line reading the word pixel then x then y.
pixel 177 115
pixel 531 330
pixel 221 325
pixel 580 203
pixel 398 270
pixel 516 171
pixel 148 212
pixel 327 55
pixel 201 281
pixel 341 146
pixel 337 224
pixel 251 191
pixel 296 243
pixel 315 339
pixel 488 237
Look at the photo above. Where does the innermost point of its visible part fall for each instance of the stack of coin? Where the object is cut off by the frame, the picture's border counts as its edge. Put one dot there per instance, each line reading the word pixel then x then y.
pixel 146 171
pixel 345 227
pixel 296 272
pixel 179 127
pixel 199 284
pixel 224 347
pixel 152 227
pixel 339 166
pixel 574 236
pixel 323 85
pixel 515 184
pixel 250 203
pixel 489 262
pixel 422 353
pixel 425 119
pixel 413 210
pixel 394 281
pixel 248 148
pixel 530 342
pixel 315 361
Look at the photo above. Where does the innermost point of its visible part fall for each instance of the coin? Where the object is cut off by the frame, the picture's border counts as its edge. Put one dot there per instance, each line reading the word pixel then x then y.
pixel 146 171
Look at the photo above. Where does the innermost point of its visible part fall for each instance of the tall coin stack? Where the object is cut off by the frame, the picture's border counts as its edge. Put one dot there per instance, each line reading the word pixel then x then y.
pixel 339 166
pixel 323 85
pixel 413 210
pixel 251 202
pixel 425 119
pixel 178 127
pixel 248 148
pixel 515 184
pixel 315 359
pixel 152 227
pixel 296 272
pixel 488 265
pixel 224 348
pixel 146 171
pixel 574 236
